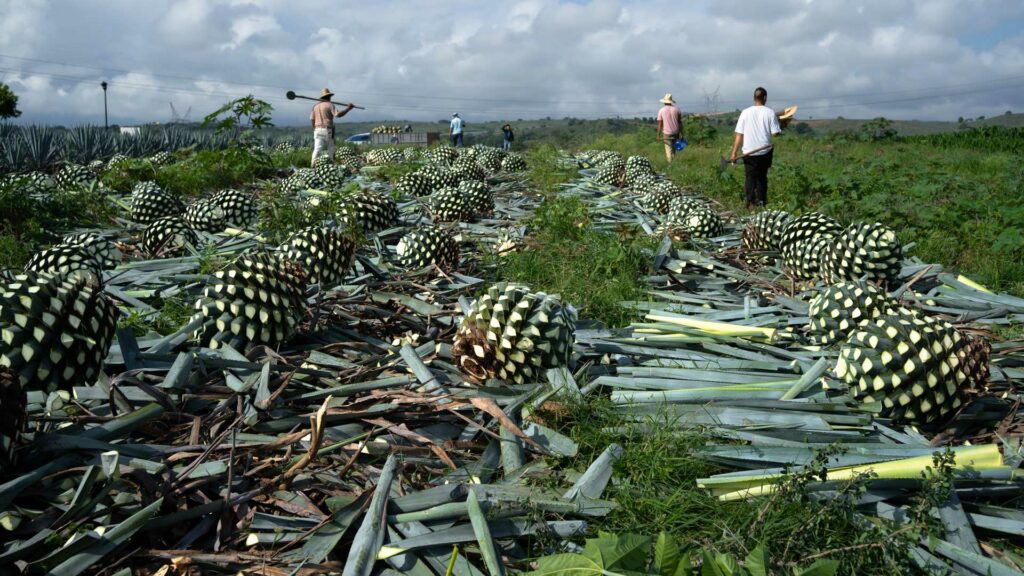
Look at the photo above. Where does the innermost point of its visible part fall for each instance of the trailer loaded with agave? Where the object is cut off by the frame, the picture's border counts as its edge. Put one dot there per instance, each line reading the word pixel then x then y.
pixel 362 393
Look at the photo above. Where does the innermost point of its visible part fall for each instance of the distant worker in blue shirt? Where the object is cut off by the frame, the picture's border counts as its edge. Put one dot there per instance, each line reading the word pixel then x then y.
pixel 455 130
pixel 506 130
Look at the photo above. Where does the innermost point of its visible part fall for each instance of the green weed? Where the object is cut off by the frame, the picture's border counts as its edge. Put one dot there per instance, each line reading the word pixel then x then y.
pixel 392 172
pixel 297 158
pixel 592 270
pixel 655 488
pixel 172 313
pixel 14 251
pixel 545 172
pixel 960 205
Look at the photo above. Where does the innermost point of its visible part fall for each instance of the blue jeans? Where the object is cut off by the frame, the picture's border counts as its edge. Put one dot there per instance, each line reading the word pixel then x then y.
pixel 506 145
pixel 457 140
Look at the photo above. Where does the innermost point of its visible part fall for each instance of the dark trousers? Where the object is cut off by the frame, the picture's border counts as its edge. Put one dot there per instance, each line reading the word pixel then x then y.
pixel 756 186
pixel 457 140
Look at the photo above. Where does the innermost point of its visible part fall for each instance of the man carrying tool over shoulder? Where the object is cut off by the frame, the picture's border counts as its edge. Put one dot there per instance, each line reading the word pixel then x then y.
pixel 670 122
pixel 754 131
pixel 322 117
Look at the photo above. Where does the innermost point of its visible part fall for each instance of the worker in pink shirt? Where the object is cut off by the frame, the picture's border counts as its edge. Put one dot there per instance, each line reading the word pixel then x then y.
pixel 670 122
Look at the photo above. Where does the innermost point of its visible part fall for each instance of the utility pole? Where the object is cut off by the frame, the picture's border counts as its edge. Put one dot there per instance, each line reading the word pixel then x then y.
pixel 103 84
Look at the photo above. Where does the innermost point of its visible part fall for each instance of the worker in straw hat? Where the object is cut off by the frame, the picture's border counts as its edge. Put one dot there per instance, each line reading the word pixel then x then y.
pixel 322 117
pixel 670 125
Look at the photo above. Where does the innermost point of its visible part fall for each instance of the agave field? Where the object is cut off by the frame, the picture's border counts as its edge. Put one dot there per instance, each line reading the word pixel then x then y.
pixel 28 148
pixel 333 370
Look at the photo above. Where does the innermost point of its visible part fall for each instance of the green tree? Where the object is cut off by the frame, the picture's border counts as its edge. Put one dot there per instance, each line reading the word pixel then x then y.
pixel 247 113
pixel 878 129
pixel 8 102
pixel 803 128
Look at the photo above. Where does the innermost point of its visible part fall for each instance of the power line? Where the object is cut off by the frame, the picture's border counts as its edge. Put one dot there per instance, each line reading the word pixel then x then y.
pixel 516 101
pixel 513 109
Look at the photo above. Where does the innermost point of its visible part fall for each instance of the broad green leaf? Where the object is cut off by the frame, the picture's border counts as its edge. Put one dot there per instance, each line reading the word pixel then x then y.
pixel 566 565
pixel 757 562
pixel 684 567
pixel 666 555
pixel 821 567
pixel 720 565
pixel 619 552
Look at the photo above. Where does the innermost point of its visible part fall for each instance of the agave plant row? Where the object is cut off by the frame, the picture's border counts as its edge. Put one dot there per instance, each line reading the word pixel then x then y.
pixel 42 148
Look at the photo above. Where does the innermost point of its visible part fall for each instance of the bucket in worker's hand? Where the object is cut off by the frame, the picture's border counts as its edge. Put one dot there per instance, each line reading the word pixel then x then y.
pixel 680 144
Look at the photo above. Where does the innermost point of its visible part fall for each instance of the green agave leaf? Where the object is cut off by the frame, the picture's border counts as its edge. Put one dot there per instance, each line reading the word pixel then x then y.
pixel 488 547
pixel 370 536
pixel 321 542
pixel 108 543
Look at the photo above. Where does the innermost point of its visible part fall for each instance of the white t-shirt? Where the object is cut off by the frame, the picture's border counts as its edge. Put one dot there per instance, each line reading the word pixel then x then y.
pixel 757 124
pixel 456 125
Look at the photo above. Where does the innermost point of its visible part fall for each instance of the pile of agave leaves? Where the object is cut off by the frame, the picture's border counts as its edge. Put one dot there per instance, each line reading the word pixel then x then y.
pixel 359 447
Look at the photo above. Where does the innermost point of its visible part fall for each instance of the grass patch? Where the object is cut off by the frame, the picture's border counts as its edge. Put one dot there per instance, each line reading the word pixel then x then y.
pixel 29 222
pixel 393 172
pixel 960 205
pixel 172 314
pixel 14 251
pixel 298 158
pixel 655 488
pixel 592 270
pixel 202 172
pixel 545 171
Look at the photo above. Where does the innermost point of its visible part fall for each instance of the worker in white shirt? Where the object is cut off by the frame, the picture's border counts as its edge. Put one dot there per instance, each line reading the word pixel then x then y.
pixel 754 131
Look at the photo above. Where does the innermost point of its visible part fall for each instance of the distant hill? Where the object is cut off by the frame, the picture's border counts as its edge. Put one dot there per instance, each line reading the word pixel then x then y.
pixel 566 131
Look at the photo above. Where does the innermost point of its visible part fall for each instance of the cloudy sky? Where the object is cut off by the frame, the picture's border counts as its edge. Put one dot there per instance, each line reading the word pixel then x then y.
pixel 934 59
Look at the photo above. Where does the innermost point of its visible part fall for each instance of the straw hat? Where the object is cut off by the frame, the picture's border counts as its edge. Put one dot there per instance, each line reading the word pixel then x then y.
pixel 788 113
pixel 786 116
pixel 667 99
pixel 326 92
pixel 455 114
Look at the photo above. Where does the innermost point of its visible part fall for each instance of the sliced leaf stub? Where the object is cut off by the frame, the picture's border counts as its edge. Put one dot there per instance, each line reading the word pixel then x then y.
pixel 55 331
pixel 257 300
pixel 513 334
pixel 916 369
pixel 168 236
pixel 426 246
pixel 840 309
pixel 325 253
pixel 764 232
pixel 67 261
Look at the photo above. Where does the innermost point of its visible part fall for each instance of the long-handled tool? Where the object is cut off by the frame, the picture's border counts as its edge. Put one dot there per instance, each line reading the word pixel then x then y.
pixel 292 96
pixel 723 162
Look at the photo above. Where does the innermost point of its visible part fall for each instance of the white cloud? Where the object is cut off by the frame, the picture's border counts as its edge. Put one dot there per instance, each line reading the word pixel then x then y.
pixel 247 27
pixel 526 58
